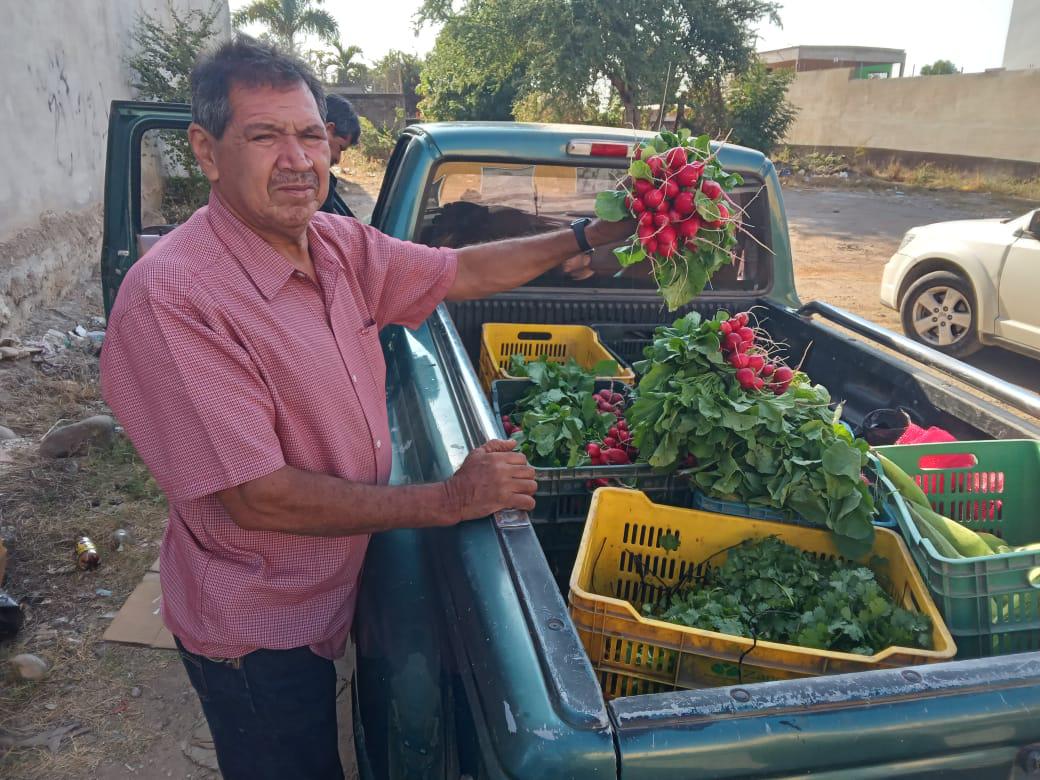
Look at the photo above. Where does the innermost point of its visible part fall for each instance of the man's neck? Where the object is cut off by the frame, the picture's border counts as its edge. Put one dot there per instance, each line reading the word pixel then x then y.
pixel 294 248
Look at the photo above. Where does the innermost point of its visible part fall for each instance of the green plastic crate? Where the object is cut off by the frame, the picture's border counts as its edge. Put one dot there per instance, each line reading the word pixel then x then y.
pixel 991 603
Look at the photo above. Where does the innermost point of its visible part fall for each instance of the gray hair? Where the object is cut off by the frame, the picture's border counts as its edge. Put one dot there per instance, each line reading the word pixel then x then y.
pixel 246 62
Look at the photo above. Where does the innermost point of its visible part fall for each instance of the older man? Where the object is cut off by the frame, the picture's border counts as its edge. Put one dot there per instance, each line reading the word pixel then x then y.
pixel 243 359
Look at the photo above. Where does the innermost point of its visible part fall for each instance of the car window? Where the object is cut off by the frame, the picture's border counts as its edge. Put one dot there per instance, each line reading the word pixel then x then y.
pixel 471 203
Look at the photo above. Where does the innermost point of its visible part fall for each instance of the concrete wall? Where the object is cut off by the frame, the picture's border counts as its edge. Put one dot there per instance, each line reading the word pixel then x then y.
pixel 977 115
pixel 1022 48
pixel 379 108
pixel 63 62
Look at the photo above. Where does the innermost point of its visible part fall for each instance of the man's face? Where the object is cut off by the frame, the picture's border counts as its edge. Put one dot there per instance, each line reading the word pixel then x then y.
pixel 337 143
pixel 271 167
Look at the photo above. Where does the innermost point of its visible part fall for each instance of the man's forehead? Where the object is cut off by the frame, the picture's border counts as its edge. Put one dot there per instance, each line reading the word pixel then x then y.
pixel 277 105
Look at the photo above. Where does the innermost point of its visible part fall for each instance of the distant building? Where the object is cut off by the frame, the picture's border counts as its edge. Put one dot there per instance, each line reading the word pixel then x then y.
pixel 1022 49
pixel 869 62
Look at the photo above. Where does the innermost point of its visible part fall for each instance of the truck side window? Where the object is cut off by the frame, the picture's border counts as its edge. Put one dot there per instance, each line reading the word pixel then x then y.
pixel 172 184
pixel 472 202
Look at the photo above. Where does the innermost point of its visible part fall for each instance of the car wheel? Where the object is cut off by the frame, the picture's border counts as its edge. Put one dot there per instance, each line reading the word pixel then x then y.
pixel 939 311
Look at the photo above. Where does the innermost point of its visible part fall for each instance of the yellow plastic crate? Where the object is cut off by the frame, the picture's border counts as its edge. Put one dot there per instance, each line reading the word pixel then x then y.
pixel 636 655
pixel 500 341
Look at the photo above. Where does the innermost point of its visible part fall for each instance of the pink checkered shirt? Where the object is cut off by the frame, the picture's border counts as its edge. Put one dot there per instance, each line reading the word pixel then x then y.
pixel 223 365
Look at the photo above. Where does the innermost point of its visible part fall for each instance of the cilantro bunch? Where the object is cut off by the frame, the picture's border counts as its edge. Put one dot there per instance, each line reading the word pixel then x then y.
pixel 784 451
pixel 771 591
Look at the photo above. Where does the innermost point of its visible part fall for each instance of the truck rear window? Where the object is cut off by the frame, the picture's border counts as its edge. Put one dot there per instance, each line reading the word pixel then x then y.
pixel 473 203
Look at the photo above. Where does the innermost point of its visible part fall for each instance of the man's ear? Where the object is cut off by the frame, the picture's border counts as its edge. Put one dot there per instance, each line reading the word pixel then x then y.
pixel 330 129
pixel 202 144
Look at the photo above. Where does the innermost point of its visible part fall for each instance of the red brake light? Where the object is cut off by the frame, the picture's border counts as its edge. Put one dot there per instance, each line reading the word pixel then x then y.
pixel 589 148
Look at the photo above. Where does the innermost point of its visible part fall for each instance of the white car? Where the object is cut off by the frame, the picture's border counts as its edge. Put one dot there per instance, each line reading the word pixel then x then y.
pixel 959 286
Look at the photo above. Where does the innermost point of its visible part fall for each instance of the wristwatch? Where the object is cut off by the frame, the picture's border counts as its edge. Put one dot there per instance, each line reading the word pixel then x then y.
pixel 578 226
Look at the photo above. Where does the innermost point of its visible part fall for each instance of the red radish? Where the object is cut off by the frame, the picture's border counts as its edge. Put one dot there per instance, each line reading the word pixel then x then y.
pixel 645 232
pixel 746 345
pixel 609 442
pixel 711 188
pixel 667 250
pixel 656 165
pixel 688 175
pixel 665 207
pixel 646 218
pixel 593 450
pixel 616 398
pixel 642 186
pixel 746 377
pixel 653 199
pixel 650 246
pixel 738 360
pixel 674 216
pixel 783 375
pixel 683 203
pixel 756 363
pixel 688 227
pixel 759 383
pixel 676 158
pixel 724 328
pixel 671 188
pixel 638 207
pixel 742 318
pixel 746 334
pixel 733 341
pixel 768 369
pixel 660 220
pixel 616 457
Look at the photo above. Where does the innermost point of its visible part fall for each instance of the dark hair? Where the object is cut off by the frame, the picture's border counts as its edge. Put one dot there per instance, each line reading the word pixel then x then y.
pixel 246 62
pixel 342 114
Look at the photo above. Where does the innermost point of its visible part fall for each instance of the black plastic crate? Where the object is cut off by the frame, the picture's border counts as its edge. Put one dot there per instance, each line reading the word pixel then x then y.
pixel 564 494
pixel 626 339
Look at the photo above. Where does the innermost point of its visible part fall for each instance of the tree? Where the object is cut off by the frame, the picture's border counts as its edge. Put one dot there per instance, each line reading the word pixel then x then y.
pixel 569 48
pixel 757 107
pixel 471 73
pixel 287 19
pixel 161 63
pixel 400 70
pixel 346 69
pixel 939 68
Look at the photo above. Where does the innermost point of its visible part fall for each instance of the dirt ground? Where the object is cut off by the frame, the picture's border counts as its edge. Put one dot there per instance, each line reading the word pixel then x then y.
pixel 111 711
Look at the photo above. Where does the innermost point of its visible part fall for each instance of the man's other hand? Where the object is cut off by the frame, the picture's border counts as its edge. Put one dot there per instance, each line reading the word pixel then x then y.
pixel 493 477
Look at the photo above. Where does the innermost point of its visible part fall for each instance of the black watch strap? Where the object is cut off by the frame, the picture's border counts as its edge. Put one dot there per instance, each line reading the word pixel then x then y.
pixel 578 226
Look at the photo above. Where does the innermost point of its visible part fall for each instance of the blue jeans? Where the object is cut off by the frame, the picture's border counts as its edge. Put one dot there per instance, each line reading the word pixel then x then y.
pixel 272 713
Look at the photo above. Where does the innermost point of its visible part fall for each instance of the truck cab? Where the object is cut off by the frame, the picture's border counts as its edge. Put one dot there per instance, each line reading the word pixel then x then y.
pixel 468 664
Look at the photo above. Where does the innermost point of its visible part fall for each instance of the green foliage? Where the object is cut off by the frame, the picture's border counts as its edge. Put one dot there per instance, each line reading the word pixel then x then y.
pixel 284 20
pixel 782 451
pixel 566 51
pixel 756 102
pixel 399 70
pixel 339 66
pixel 161 63
pixel 558 417
pixel 376 143
pixel 771 591
pixel 476 69
pixel 939 68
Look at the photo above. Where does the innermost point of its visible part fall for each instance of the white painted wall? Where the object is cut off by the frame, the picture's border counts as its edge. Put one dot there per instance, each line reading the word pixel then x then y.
pixel 63 62
pixel 1022 49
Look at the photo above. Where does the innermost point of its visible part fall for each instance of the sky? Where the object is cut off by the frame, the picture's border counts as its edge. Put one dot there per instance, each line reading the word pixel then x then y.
pixel 968 32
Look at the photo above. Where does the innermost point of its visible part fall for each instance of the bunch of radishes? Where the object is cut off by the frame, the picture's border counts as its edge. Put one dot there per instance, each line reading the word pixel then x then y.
pixel 742 349
pixel 509 425
pixel 616 449
pixel 665 205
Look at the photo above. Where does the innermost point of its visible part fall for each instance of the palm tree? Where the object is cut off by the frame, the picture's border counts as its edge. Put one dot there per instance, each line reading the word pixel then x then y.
pixel 285 19
pixel 347 68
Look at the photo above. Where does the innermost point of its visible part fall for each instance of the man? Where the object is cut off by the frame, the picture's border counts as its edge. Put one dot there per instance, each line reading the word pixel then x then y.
pixel 344 131
pixel 243 359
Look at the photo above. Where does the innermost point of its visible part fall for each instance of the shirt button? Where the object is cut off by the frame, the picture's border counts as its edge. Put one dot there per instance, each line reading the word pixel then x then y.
pixel 353 377
pixel 378 444
pixel 299 274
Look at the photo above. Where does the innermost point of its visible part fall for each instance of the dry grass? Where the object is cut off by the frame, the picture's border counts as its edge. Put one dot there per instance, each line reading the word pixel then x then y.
pixel 925 176
pixel 49 503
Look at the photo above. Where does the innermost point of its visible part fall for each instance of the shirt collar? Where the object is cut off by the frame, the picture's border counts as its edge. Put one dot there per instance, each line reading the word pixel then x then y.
pixel 266 266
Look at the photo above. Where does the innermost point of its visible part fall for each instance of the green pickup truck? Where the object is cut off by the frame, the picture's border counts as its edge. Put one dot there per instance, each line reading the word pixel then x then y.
pixel 468 664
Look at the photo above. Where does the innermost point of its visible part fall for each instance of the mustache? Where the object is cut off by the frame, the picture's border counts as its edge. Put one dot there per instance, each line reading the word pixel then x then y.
pixel 308 178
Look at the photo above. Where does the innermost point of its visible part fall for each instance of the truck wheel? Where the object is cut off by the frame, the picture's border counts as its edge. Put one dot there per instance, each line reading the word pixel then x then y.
pixel 939 311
